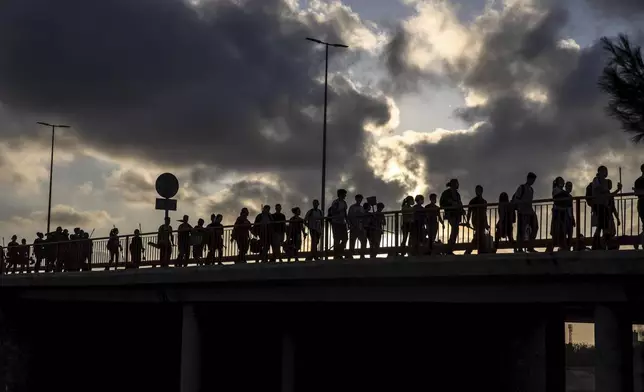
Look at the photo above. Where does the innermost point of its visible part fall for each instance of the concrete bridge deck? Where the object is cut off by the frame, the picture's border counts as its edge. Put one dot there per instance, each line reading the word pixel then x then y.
pixel 568 277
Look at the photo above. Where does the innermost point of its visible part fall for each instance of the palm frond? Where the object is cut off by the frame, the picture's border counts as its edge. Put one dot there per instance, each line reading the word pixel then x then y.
pixel 623 81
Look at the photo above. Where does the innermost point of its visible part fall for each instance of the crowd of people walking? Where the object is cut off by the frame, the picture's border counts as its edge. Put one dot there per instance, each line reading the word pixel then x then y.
pixel 275 238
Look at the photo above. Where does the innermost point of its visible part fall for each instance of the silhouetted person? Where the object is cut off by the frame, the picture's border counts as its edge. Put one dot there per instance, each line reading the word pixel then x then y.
pixel 527 224
pixel 216 239
pixel 295 233
pixel 279 231
pixel 353 215
pixel 558 224
pixel 24 256
pixel 88 251
pixel 416 234
pixel 136 250
pixel 454 212
pixel 165 242
pixel 505 224
pixel 183 242
pixel 263 228
pixel 601 195
pixel 433 216
pixel 407 209
pixel 39 251
pixel 639 191
pixel 338 216
pixel 13 254
pixel 376 228
pixel 570 216
pixel 198 237
pixel 314 220
pixel 114 247
pixel 241 235
pixel 363 222
pixel 477 217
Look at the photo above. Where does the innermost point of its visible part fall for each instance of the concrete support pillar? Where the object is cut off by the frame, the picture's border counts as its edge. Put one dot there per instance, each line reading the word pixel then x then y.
pixel 190 351
pixel 540 353
pixel 288 362
pixel 613 342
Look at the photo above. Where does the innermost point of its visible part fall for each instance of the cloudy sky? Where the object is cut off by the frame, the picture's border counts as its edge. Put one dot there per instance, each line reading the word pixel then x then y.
pixel 227 94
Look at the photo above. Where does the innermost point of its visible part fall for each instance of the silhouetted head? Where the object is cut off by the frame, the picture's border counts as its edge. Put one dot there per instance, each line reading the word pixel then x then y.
pixel 478 190
pixel 213 217
pixel 85 235
pixel 167 220
pixel 569 187
pixel 39 235
pixel 408 201
pixel 185 219
pixel 278 208
pixel 453 183
pixel 137 232
pixel 503 198
pixel 23 241
pixel 59 229
pixel 316 203
pixel 266 209
pixel 200 222
pixel 219 218
pixel 380 206
pixel 432 198
pixel 558 182
pixel 366 206
pixel 602 171
pixel 14 237
pixel 531 178
pixel 359 198
pixel 296 211
pixel 76 230
pixel 419 199
pixel 244 212
pixel 342 194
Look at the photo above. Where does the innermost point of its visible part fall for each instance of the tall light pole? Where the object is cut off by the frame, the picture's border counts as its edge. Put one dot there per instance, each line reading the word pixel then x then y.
pixel 51 165
pixel 326 88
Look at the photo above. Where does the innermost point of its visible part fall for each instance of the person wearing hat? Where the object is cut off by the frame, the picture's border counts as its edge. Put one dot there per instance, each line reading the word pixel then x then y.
pixel 39 251
pixel 184 230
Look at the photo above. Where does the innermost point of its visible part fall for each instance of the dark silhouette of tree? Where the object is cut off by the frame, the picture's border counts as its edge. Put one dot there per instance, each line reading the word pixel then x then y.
pixel 623 81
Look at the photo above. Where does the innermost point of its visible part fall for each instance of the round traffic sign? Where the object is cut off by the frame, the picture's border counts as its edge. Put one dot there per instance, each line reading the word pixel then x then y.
pixel 167 185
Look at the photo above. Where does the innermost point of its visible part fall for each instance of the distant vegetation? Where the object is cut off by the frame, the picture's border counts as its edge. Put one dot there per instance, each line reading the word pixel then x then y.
pixel 580 355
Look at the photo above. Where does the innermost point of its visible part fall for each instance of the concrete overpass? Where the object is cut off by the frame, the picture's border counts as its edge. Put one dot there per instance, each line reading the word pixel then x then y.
pixel 490 322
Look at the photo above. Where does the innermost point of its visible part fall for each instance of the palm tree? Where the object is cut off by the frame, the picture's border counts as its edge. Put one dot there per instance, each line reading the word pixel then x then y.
pixel 623 81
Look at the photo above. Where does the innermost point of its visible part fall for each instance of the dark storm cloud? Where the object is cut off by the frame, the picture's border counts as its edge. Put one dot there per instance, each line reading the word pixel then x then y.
pixel 230 84
pixel 520 134
pixel 622 8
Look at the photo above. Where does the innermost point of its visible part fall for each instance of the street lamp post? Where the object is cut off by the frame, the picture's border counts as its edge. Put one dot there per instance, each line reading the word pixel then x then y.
pixel 326 88
pixel 51 165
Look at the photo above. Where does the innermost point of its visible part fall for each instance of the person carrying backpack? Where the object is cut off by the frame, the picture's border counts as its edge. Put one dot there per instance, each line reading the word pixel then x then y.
pixel 527 223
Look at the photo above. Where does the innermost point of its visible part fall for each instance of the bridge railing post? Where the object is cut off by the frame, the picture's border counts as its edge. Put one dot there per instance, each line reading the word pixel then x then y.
pixel 397 232
pixel 578 221
pixel 127 247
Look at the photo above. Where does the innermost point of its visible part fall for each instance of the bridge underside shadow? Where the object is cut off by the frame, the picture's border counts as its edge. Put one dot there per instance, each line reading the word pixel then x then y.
pixel 336 347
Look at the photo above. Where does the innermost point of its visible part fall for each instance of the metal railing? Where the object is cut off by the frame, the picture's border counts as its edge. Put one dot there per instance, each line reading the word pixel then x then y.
pixel 264 243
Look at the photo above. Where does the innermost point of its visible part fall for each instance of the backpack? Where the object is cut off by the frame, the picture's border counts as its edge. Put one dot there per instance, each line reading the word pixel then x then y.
pixel 589 195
